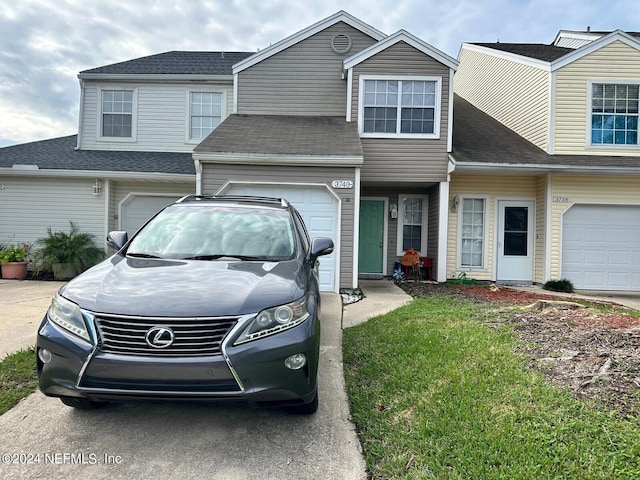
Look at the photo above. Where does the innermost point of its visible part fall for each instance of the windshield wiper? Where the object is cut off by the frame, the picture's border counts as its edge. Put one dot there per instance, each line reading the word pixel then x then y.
pixel 218 256
pixel 142 255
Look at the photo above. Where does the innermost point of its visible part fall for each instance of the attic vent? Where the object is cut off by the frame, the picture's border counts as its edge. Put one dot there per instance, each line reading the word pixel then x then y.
pixel 341 43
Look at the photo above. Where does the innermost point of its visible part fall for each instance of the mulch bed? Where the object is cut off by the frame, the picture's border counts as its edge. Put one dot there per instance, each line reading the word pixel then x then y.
pixel 593 351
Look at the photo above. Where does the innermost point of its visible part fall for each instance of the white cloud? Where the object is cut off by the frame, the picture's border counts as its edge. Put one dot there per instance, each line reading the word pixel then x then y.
pixel 45 44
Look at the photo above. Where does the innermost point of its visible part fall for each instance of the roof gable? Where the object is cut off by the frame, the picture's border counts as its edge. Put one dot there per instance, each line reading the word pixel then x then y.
pixel 615 36
pixel 401 36
pixel 340 16
pixel 551 57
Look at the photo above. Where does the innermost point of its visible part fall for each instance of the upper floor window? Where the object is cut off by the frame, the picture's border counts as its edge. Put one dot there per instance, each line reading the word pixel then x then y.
pixel 117 113
pixel 408 106
pixel 205 113
pixel 614 114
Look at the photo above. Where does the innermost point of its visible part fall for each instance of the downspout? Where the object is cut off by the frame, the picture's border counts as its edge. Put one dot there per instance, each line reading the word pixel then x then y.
pixel 356 228
pixel 198 167
pixel 81 110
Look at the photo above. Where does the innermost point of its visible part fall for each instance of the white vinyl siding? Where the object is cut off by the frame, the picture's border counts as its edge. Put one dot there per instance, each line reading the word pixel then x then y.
pixel 614 63
pixel 29 205
pixel 161 116
pixel 515 94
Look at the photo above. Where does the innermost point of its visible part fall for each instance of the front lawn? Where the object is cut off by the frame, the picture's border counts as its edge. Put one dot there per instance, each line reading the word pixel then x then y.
pixel 18 378
pixel 436 393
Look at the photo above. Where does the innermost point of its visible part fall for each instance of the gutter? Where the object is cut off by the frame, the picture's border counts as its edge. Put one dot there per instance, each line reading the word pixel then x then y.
pixel 279 159
pixel 80 112
pixel 154 77
pixel 544 168
pixel 34 171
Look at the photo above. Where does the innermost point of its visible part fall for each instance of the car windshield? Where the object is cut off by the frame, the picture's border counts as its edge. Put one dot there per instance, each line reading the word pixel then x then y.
pixel 209 232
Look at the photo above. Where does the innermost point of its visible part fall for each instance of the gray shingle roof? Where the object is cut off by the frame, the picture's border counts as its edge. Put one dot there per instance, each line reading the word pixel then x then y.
pixel 284 135
pixel 59 154
pixel 479 138
pixel 175 63
pixel 539 51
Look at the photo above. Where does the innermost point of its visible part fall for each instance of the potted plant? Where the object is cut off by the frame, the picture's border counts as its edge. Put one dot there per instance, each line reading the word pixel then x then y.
pixel 13 262
pixel 67 254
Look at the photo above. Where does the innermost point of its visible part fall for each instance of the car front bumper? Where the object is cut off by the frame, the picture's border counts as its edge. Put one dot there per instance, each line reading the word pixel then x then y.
pixel 254 372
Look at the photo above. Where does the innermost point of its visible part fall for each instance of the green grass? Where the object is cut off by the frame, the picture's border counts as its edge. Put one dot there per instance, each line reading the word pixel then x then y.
pixel 18 378
pixel 435 393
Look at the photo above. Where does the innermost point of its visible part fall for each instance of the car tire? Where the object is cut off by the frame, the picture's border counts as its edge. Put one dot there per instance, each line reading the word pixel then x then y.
pixel 305 408
pixel 81 403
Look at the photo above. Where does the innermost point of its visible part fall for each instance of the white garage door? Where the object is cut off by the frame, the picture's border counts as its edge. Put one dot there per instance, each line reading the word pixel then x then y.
pixel 137 209
pixel 318 208
pixel 601 247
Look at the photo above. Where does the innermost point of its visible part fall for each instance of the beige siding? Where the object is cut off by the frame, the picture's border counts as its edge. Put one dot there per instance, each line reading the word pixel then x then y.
pixel 162 116
pixel 304 79
pixel 404 159
pixel 516 95
pixel 585 189
pixel 29 205
pixel 492 189
pixel 216 176
pixel 616 61
pixel 541 230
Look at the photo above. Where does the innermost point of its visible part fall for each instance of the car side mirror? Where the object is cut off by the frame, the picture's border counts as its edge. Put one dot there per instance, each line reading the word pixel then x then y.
pixel 321 246
pixel 117 239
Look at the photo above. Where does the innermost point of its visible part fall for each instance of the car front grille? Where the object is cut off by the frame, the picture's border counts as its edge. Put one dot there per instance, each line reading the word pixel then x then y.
pixel 127 335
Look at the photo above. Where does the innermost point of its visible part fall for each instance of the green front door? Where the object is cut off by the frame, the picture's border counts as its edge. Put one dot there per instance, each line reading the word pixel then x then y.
pixel 371 239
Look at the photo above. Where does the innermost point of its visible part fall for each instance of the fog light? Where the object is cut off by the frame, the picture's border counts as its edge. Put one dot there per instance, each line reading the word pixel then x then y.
pixel 45 355
pixel 296 362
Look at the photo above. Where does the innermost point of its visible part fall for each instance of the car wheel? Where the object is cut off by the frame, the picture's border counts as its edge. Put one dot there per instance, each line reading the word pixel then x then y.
pixel 305 408
pixel 81 403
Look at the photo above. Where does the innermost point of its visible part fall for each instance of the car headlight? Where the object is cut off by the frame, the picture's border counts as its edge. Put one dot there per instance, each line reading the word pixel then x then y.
pixel 67 315
pixel 274 320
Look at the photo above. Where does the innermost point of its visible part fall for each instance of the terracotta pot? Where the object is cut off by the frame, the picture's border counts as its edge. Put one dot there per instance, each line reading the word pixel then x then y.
pixel 14 270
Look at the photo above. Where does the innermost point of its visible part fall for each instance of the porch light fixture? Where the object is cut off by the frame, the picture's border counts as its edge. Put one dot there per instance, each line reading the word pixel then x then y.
pixel 393 210
pixel 97 187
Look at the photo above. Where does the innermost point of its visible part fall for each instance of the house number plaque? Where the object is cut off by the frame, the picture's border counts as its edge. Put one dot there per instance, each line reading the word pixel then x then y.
pixel 342 184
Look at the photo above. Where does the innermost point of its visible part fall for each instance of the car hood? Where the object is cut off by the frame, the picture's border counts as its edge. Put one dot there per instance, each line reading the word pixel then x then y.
pixel 185 288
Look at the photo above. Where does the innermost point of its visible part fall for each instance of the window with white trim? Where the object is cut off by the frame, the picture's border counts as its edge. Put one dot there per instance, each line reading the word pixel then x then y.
pixel 117 113
pixel 407 107
pixel 614 113
pixel 472 232
pixel 412 223
pixel 205 113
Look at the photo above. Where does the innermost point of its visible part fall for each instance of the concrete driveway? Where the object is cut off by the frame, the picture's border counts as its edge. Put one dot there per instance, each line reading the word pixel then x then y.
pixel 42 438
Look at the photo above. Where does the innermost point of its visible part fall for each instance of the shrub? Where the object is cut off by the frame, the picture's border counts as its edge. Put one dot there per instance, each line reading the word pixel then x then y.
pixel 563 285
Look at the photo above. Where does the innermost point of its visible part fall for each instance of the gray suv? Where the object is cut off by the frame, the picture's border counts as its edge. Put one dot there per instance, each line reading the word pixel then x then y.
pixel 214 298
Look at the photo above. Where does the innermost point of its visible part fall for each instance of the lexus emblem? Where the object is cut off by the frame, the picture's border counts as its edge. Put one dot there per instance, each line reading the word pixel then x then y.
pixel 160 337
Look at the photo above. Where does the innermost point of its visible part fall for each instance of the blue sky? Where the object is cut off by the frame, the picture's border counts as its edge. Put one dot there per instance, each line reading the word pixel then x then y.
pixel 45 43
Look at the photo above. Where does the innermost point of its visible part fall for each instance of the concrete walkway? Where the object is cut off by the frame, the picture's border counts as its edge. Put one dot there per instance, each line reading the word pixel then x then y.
pixel 380 297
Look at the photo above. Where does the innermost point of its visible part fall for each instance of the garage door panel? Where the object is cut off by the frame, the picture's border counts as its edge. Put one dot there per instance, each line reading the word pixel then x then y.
pixel 601 247
pixel 319 211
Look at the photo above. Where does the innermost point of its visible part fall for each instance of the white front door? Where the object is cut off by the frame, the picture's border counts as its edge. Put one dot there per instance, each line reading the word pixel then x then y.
pixel 515 241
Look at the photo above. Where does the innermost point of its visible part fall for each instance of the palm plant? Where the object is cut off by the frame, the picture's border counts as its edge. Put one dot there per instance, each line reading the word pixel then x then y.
pixel 67 254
